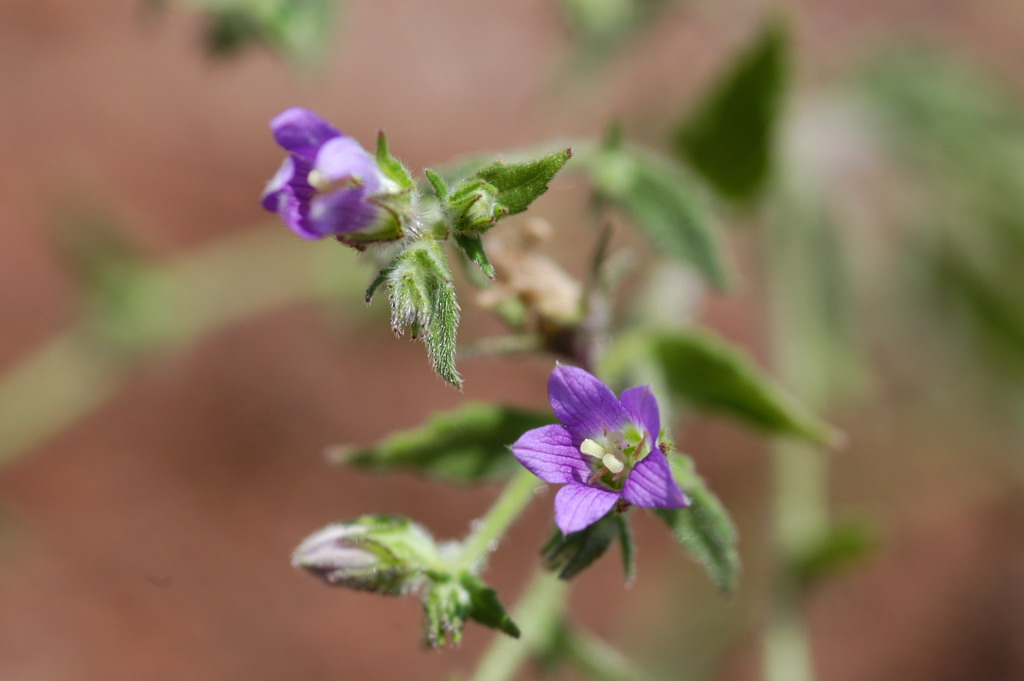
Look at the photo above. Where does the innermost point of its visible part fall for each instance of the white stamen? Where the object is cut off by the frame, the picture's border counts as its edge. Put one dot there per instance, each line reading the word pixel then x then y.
pixel 591 448
pixel 612 463
pixel 318 180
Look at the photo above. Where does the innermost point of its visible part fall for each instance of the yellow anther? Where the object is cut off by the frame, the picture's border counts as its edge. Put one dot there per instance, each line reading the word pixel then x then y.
pixel 591 448
pixel 612 463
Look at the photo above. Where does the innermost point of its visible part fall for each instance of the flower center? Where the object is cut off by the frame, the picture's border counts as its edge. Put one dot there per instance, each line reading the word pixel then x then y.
pixel 615 453
pixel 323 185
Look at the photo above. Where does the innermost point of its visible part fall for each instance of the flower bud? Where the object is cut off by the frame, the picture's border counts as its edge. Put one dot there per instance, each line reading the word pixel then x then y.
pixel 385 554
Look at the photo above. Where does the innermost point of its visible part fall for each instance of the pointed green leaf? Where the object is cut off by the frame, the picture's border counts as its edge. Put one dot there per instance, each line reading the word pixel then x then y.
pixel 712 374
pixel 729 139
pixel 518 184
pixel 571 554
pixel 485 608
pixel 665 203
pixel 466 445
pixel 704 528
pixel 437 182
pixel 473 247
pixel 391 166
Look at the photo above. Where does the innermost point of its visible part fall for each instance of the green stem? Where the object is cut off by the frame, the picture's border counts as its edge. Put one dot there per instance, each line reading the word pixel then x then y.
pixel 599 660
pixel 538 615
pixel 489 529
pixel 75 372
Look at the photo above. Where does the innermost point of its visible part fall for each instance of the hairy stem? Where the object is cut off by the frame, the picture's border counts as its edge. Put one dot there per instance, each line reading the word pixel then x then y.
pixel 489 529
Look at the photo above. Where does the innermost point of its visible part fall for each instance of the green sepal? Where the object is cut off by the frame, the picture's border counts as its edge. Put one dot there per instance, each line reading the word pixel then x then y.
pixel 729 138
pixel 391 166
pixel 485 608
pixel 473 247
pixel 423 300
pixel 571 554
pixel 452 600
pixel 663 200
pixel 462 446
pixel 704 528
pixel 445 605
pixel 389 555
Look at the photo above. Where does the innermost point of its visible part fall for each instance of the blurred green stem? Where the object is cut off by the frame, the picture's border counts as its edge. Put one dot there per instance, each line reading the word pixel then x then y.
pixel 599 660
pixel 239 277
pixel 800 472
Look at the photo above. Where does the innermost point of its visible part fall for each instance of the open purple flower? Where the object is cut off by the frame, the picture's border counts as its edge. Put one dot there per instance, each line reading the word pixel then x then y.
pixel 606 450
pixel 329 185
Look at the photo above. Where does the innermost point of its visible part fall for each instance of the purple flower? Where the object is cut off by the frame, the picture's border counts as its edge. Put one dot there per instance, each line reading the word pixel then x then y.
pixel 606 450
pixel 329 185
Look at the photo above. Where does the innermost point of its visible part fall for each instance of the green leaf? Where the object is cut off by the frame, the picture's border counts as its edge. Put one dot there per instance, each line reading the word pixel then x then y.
pixel 704 528
pixel 665 203
pixel 391 166
pixel 423 300
pixel 300 30
pixel 485 608
pixel 839 547
pixel 571 554
pixel 712 374
pixel 473 247
pixel 518 184
pixel 729 138
pixel 438 184
pixel 466 445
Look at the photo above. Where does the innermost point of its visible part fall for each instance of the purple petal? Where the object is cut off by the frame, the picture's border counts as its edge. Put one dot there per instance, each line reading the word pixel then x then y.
pixel 289 194
pixel 342 211
pixel 301 131
pixel 342 158
pixel 642 407
pixel 583 403
pixel 548 453
pixel 651 484
pixel 579 506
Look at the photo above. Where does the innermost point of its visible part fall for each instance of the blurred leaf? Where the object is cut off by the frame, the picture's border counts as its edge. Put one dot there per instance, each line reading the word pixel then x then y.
pixel 602 25
pixel 729 138
pixel 704 529
pixel 300 30
pixel 842 545
pixel 485 608
pixel 571 554
pixel 664 202
pixel 712 374
pixel 466 445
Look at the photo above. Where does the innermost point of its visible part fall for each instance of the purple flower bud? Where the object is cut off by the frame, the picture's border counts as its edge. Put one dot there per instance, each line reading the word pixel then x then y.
pixel 330 186
pixel 606 450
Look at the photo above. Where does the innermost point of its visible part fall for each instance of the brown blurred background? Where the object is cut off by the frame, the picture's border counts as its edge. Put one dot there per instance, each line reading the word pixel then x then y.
pixel 151 540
